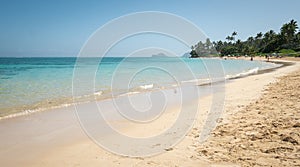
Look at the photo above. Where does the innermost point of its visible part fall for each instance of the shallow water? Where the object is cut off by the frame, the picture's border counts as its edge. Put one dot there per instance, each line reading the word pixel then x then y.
pixel 36 83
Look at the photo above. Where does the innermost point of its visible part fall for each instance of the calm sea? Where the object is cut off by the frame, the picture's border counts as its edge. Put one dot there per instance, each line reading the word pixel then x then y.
pixel 28 84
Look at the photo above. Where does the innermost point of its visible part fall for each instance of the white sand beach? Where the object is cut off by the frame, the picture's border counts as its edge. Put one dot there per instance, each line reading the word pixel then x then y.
pixel 55 138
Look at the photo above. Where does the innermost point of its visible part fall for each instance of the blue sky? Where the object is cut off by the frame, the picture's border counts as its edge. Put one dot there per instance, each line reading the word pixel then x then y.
pixel 61 27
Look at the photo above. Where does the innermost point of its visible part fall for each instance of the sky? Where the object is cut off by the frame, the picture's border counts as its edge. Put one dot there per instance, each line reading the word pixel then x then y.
pixel 61 27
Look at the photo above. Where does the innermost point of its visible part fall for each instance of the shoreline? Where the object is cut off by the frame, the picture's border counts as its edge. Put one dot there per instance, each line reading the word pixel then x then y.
pixel 283 63
pixel 67 145
pixel 36 107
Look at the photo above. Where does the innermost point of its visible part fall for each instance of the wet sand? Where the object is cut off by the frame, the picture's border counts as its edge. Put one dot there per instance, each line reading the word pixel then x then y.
pixel 245 134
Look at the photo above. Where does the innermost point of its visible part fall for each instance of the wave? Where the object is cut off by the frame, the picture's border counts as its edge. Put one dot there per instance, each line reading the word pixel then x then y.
pixel 130 93
pixel 208 81
pixel 243 74
pixel 202 81
pixel 31 111
pixel 149 86
pixel 100 95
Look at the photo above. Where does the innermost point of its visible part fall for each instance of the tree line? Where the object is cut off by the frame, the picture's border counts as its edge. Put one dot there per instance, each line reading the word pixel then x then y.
pixel 286 41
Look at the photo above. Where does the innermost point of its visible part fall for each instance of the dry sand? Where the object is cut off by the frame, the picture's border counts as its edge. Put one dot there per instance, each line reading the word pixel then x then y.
pixel 264 133
pixel 259 127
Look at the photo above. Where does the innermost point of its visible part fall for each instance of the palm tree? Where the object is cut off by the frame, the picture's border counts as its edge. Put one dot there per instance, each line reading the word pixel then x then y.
pixel 250 41
pixel 288 36
pixel 270 35
pixel 272 32
pixel 258 40
pixel 219 45
pixel 233 35
pixel 269 43
pixel 239 46
pixel 259 35
pixel 293 26
pixel 288 31
pixel 208 44
pixel 297 40
pixel 230 38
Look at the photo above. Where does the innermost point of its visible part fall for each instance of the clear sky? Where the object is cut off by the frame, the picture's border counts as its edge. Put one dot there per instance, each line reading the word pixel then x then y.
pixel 61 27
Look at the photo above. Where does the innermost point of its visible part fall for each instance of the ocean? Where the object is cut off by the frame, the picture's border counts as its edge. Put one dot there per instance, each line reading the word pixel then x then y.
pixel 34 84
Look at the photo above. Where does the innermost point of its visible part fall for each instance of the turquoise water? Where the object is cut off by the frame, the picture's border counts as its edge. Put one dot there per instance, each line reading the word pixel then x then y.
pixel 34 83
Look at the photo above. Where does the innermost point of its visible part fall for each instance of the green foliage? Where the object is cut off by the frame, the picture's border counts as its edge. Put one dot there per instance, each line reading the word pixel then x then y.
pixel 297 55
pixel 229 50
pixel 193 54
pixel 286 51
pixel 287 41
pixel 202 49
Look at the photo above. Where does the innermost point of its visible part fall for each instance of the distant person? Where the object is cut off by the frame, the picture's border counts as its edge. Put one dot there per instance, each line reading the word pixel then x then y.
pixel 251 59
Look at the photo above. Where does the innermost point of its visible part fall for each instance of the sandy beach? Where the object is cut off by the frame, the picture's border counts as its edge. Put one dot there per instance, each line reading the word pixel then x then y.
pixel 259 127
pixel 150 83
pixel 263 133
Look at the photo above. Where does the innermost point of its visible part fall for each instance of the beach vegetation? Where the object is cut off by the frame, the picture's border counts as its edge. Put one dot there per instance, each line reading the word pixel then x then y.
pixel 286 43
